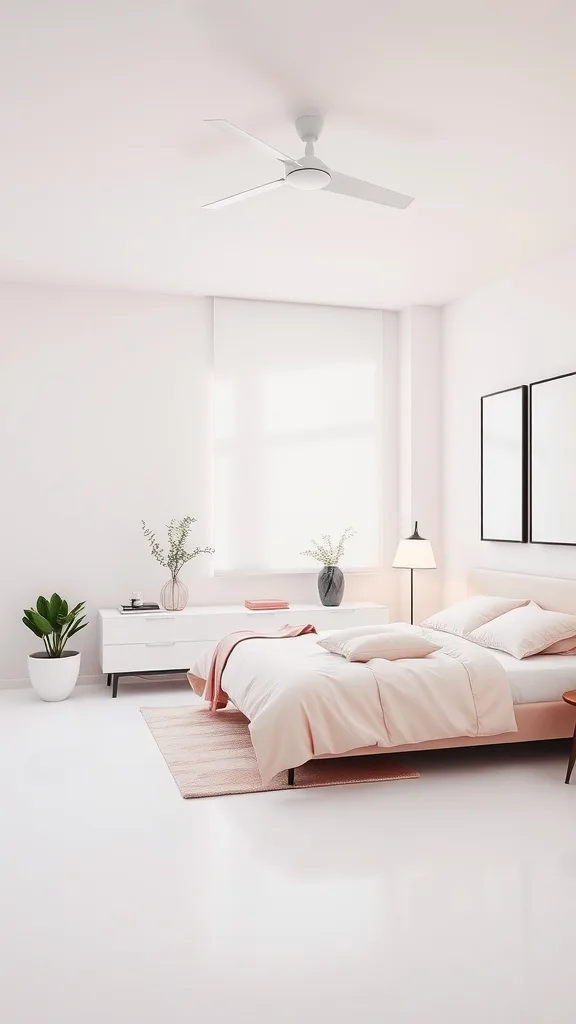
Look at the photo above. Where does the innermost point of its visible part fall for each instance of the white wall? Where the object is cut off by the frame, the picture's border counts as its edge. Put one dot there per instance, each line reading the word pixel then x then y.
pixel 103 416
pixel 104 420
pixel 518 331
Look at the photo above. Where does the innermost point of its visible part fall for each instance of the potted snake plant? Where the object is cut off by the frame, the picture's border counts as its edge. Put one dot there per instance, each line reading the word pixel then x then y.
pixel 54 671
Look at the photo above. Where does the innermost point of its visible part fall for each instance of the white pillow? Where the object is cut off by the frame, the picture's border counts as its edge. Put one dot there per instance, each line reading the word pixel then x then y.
pixel 525 631
pixel 392 645
pixel 464 616
pixel 333 640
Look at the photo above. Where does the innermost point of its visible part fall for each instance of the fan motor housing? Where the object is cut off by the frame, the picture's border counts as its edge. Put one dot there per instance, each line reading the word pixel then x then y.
pixel 311 174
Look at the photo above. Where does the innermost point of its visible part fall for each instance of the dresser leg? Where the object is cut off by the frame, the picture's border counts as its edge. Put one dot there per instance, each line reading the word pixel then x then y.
pixel 115 685
pixel 109 679
pixel 572 758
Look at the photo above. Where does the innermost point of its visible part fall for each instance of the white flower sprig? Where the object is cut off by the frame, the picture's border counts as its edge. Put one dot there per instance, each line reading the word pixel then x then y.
pixel 329 552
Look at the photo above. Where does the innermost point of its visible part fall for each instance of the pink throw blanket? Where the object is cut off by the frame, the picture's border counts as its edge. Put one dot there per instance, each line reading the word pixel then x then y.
pixel 213 692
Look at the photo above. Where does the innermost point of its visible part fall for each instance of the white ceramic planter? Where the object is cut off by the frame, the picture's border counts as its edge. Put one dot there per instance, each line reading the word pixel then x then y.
pixel 54 678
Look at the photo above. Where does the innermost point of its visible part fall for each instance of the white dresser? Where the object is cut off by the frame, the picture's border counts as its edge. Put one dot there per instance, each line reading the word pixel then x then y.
pixel 158 642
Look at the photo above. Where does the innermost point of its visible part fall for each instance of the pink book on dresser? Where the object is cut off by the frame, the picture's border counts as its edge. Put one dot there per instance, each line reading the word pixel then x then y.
pixel 265 606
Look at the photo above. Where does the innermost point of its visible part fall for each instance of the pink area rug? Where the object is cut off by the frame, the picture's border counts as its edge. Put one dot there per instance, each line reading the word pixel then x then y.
pixel 212 755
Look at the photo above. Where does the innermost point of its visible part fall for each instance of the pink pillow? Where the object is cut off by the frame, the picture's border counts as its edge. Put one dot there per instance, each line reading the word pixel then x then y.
pixel 567 646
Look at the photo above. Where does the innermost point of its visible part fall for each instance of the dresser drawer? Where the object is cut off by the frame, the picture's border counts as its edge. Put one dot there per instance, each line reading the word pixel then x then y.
pixel 152 656
pixel 346 618
pixel 170 626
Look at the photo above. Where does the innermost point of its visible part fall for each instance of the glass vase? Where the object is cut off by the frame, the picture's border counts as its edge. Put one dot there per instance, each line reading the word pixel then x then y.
pixel 174 595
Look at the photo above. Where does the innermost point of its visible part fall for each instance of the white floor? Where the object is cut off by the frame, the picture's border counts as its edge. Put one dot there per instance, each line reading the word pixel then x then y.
pixel 451 898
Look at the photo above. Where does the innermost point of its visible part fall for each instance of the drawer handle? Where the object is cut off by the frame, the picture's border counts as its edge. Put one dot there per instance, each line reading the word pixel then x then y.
pixel 157 618
pixel 162 643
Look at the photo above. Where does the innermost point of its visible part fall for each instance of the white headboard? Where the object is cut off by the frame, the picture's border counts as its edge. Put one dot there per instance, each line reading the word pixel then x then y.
pixel 548 591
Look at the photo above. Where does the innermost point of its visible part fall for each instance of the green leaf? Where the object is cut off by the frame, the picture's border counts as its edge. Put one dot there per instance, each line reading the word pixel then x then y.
pixel 32 626
pixel 77 608
pixel 73 622
pixel 76 629
pixel 43 607
pixel 55 606
pixel 28 613
pixel 63 608
pixel 63 619
pixel 41 623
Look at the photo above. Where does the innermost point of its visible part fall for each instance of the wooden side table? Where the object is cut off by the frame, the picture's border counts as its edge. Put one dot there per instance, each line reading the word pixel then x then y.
pixel 570 698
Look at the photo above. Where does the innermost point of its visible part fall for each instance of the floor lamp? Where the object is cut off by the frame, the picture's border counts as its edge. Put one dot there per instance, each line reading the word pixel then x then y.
pixel 414 552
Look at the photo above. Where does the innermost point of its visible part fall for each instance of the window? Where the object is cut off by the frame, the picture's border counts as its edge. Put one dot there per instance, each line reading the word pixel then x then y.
pixel 298 433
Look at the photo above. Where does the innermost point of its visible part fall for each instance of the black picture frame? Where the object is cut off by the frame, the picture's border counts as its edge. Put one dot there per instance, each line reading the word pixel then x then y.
pixel 536 540
pixel 524 456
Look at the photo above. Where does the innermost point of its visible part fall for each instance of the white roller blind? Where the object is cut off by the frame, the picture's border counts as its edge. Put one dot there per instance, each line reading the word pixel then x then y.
pixel 298 433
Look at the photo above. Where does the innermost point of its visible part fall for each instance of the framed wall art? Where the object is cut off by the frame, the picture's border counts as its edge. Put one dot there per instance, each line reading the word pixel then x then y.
pixel 504 465
pixel 553 460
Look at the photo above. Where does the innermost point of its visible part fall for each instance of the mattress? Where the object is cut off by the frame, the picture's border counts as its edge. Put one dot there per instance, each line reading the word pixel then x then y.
pixel 543 677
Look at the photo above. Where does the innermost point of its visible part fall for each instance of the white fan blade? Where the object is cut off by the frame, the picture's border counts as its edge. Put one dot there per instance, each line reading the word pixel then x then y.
pixel 263 146
pixel 344 185
pixel 245 195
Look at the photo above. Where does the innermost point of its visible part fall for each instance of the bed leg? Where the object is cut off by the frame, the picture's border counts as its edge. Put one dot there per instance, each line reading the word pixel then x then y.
pixel 571 759
pixel 290 776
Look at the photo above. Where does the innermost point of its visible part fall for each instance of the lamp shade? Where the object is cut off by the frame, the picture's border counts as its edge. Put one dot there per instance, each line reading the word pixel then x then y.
pixel 414 552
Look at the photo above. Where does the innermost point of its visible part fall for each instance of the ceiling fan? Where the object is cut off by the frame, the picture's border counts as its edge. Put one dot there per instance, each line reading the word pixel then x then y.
pixel 308 173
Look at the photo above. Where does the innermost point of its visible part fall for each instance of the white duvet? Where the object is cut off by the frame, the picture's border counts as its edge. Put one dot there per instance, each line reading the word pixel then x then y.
pixel 302 701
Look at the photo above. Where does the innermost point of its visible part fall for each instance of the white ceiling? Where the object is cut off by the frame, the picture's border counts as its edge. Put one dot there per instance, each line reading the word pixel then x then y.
pixel 466 104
